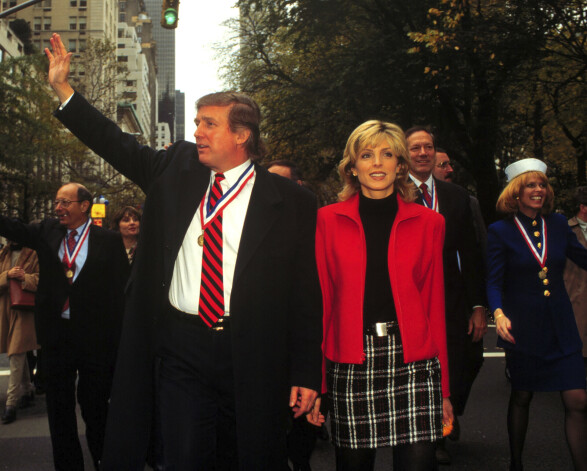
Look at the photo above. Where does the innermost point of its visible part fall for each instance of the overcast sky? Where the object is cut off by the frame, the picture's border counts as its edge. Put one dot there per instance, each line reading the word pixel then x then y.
pixel 196 65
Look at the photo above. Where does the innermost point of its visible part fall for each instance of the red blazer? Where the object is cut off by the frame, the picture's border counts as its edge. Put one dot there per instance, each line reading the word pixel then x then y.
pixel 416 274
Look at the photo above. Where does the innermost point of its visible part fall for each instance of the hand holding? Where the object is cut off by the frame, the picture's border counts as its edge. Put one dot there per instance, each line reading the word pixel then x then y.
pixel 16 273
pixel 447 412
pixel 314 416
pixel 301 400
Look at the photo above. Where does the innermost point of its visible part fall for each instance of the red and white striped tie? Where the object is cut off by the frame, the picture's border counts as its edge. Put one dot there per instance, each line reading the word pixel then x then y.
pixel 211 306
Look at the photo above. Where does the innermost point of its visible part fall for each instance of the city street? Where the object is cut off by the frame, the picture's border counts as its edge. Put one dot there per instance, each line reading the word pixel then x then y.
pixel 25 444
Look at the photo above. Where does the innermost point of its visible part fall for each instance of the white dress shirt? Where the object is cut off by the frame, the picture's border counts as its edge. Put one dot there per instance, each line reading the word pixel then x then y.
pixel 184 292
pixel 431 187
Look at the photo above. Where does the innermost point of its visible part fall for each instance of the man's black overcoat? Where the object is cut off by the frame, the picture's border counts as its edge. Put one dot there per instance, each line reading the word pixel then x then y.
pixel 276 312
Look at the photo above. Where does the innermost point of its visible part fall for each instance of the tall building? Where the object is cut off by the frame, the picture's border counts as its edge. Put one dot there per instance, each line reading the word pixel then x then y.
pixel 136 14
pixel 134 89
pixel 10 45
pixel 78 22
pixel 163 135
pixel 75 20
pixel 165 59
pixel 179 115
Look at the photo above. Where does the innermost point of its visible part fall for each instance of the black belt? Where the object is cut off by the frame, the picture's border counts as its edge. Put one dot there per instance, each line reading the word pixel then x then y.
pixel 221 324
pixel 381 329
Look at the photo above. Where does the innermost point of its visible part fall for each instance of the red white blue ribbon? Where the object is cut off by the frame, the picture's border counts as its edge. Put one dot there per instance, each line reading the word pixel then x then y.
pixel 69 258
pixel 207 214
pixel 540 257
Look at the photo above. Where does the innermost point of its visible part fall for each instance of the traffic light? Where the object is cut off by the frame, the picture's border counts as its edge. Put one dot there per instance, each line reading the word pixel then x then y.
pixel 169 14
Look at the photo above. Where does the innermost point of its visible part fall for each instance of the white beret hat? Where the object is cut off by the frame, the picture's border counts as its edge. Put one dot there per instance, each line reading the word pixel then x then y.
pixel 523 166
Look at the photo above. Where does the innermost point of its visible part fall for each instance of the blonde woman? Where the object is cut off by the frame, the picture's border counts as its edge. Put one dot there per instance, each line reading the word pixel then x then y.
pixel 526 257
pixel 380 265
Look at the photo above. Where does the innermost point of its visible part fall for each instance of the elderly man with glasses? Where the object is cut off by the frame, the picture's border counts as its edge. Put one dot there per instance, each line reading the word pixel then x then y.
pixel 78 317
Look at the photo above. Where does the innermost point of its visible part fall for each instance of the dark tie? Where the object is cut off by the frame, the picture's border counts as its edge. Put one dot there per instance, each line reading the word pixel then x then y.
pixel 426 195
pixel 70 247
pixel 211 306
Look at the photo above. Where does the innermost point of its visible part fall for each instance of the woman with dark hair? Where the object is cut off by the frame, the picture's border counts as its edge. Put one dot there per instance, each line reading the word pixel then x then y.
pixel 379 260
pixel 526 257
pixel 127 221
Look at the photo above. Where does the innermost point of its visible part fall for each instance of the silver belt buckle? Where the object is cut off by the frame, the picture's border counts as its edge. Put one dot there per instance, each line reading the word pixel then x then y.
pixel 381 329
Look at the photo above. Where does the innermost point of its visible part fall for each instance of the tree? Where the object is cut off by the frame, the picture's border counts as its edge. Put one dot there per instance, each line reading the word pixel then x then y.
pixel 321 67
pixel 37 155
pixel 32 146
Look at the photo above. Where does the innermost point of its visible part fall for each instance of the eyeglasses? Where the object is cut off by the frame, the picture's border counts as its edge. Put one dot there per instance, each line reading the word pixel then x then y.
pixel 446 163
pixel 65 203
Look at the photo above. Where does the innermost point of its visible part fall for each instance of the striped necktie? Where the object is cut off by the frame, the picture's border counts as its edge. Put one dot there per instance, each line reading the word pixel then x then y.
pixel 426 195
pixel 211 305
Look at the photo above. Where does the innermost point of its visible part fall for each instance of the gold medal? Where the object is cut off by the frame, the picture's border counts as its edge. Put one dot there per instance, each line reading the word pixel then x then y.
pixel 542 275
pixel 69 273
pixel 545 282
pixel 537 234
pixel 201 240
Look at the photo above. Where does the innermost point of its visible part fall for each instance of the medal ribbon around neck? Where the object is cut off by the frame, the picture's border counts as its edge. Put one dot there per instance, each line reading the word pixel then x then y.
pixel 70 257
pixel 433 197
pixel 540 258
pixel 226 198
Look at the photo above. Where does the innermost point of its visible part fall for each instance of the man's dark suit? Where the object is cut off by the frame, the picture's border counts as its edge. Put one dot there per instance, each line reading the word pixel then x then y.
pixel 87 341
pixel 463 289
pixel 276 313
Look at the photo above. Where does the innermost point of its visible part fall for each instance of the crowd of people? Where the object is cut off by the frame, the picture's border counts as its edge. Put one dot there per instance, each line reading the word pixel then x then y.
pixel 217 329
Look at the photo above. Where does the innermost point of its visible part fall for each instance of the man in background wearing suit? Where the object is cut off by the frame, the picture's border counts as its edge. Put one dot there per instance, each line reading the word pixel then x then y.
pixel 466 322
pixel 78 316
pixel 224 292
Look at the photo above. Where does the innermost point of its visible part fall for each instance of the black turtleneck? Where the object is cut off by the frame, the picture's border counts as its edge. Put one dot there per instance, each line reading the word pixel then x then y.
pixel 377 216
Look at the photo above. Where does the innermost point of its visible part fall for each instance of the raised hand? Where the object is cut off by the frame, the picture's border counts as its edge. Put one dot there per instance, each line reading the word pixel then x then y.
pixel 59 60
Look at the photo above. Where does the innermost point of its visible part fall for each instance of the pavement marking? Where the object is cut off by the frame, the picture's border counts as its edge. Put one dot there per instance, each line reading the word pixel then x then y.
pixel 493 354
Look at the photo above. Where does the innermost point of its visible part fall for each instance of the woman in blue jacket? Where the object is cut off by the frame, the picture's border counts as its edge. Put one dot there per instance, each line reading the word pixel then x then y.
pixel 526 255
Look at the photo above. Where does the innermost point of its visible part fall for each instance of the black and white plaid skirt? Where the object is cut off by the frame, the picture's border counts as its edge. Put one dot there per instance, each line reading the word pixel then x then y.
pixel 384 401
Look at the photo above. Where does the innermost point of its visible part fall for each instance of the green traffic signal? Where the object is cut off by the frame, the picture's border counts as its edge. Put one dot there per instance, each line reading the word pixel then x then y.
pixel 170 16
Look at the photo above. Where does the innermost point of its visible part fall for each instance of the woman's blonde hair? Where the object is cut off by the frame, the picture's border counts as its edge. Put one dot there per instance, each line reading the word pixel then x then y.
pixel 507 203
pixel 370 134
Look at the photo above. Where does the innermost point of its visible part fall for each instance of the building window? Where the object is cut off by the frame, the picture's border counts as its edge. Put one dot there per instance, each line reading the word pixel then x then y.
pixel 72 22
pixel 122 17
pixel 120 45
pixel 82 45
pixel 73 3
pixel 122 58
pixel 82 23
pixel 47 24
pixel 37 23
pixel 122 6
pixel 83 3
pixel 72 45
